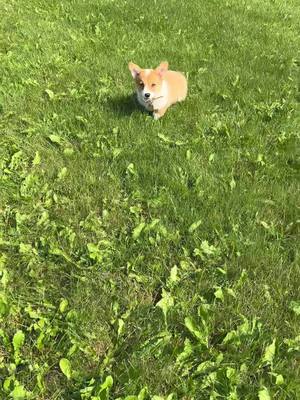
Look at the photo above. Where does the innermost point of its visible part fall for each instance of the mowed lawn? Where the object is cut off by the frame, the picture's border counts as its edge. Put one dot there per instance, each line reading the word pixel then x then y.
pixel 144 259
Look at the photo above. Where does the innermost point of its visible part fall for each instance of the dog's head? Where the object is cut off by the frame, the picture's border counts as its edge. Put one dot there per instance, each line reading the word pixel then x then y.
pixel 148 81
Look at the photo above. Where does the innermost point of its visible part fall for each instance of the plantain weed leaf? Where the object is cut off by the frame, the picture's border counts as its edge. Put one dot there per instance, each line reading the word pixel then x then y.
pixel 4 308
pixel 242 279
pixel 295 306
pixel 166 302
pixel 18 340
pixel 7 383
pixel 19 393
pixel 231 292
pixel 201 336
pixel 186 353
pixel 230 337
pixel 62 173
pixel 207 248
pixel 192 328
pixel 131 169
pixel 293 344
pixel 65 366
pixel 232 183
pixel 25 248
pixel 279 380
pixel 264 394
pixel 209 380
pixel 55 139
pixel 194 226
pixel 205 366
pixel 50 94
pixel 269 353
pixel 138 230
pixel 174 275
pixel 244 328
pixel 233 395
pixel 143 393
pixel 265 225
pixel 63 305
pixel 107 384
pixel 171 396
pixel 68 151
pixel 164 138
pixel 121 325
pixel 219 294
pixel 232 375
pixel 37 159
pixel 203 312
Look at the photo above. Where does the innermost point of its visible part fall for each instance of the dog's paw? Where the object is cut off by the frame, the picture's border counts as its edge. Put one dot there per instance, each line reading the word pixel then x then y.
pixel 156 116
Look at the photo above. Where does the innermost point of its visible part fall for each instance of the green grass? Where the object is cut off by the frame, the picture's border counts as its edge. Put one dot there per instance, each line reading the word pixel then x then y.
pixel 159 258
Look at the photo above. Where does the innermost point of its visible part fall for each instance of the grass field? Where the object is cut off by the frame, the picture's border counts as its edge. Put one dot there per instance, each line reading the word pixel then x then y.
pixel 144 259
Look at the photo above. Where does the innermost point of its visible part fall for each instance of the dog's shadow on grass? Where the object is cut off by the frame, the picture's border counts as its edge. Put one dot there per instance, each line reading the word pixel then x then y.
pixel 124 105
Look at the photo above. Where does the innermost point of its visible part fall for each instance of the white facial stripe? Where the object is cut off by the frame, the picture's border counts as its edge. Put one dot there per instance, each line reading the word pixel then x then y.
pixel 146 90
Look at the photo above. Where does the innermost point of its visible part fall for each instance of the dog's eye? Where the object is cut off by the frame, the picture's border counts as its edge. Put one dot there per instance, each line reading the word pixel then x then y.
pixel 141 83
pixel 153 85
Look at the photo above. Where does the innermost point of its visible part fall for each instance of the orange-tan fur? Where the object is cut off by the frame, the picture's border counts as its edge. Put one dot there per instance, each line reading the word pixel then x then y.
pixel 157 89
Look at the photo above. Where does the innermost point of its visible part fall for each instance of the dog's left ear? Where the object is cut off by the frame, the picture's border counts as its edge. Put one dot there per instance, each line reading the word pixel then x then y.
pixel 162 68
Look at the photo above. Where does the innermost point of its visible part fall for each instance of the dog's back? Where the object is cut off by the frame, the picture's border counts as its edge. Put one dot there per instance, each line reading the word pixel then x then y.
pixel 177 86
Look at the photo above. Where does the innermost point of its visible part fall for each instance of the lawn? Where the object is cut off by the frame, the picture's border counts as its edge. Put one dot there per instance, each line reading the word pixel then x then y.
pixel 144 259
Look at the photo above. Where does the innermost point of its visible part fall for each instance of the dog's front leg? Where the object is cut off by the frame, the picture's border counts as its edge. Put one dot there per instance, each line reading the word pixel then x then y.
pixel 159 113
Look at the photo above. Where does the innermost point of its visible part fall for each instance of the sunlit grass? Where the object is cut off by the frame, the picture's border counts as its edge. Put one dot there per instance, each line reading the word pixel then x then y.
pixel 155 258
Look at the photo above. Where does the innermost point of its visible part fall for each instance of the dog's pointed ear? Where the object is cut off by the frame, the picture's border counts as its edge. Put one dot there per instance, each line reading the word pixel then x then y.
pixel 162 68
pixel 134 69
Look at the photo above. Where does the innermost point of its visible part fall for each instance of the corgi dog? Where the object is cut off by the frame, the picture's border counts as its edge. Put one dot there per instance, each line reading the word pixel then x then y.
pixel 157 89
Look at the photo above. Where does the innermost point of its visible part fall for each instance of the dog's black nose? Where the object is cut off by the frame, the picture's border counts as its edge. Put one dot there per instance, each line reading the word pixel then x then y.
pixel 147 95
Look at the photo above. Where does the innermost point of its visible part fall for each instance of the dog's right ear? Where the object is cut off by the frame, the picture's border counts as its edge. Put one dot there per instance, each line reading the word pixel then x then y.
pixel 134 69
pixel 162 68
